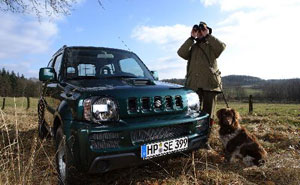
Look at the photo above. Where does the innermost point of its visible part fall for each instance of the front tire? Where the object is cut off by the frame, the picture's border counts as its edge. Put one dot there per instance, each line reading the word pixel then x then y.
pixel 67 173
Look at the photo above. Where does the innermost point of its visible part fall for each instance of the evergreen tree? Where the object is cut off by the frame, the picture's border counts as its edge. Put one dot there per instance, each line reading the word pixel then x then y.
pixel 12 85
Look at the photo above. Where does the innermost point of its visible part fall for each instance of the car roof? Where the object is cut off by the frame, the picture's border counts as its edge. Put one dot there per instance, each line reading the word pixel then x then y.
pixel 88 47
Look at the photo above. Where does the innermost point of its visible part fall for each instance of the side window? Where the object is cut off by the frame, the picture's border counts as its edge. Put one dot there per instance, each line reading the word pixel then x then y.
pixel 86 70
pixel 57 65
pixel 71 70
pixel 107 69
pixel 50 63
pixel 129 65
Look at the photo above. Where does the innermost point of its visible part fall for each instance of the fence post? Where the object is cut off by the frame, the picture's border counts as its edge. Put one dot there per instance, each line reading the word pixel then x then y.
pixel 28 102
pixel 3 104
pixel 250 105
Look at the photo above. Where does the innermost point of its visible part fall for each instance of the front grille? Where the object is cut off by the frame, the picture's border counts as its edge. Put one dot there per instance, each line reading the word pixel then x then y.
pixel 156 103
pixel 160 133
pixel 104 140
pixel 169 103
pixel 178 101
pixel 132 104
pixel 146 103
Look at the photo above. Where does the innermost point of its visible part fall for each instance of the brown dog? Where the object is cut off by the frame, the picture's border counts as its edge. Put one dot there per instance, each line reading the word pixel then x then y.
pixel 237 140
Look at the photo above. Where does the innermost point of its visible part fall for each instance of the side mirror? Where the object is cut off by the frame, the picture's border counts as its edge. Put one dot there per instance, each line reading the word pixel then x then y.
pixel 155 75
pixel 46 74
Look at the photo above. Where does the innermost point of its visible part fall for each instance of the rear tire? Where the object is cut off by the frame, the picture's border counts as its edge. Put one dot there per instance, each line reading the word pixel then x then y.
pixel 42 129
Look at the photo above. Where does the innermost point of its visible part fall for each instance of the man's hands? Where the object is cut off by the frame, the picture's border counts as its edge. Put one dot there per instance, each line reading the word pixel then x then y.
pixel 194 33
pixel 199 34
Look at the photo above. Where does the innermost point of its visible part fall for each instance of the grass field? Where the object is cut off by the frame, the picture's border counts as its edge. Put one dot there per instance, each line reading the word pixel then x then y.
pixel 25 159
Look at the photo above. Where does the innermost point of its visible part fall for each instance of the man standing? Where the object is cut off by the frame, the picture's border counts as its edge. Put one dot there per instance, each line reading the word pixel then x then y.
pixel 203 76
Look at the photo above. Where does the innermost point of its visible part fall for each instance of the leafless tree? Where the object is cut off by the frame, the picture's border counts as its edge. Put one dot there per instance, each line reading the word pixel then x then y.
pixel 38 7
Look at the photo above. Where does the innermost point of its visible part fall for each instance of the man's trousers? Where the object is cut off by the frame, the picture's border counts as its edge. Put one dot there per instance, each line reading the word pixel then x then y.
pixel 208 100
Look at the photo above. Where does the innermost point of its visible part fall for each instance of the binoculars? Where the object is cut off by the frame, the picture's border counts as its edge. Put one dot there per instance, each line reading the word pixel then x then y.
pixel 202 26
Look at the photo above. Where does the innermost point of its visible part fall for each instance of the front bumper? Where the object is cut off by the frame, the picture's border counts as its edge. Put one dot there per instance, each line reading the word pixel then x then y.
pixel 116 161
pixel 98 149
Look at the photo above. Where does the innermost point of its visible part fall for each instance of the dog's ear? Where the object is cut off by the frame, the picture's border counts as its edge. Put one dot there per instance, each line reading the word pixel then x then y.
pixel 219 113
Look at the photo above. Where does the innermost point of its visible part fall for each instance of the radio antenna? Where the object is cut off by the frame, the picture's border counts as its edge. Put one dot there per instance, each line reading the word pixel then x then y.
pixel 124 44
pixel 100 3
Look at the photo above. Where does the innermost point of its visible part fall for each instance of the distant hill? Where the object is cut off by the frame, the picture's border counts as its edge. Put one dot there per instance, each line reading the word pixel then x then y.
pixel 175 81
pixel 34 79
pixel 239 87
pixel 229 81
pixel 241 80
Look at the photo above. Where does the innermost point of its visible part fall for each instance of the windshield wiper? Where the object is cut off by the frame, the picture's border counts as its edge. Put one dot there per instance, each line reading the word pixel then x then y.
pixel 102 77
pixel 83 78
pixel 120 76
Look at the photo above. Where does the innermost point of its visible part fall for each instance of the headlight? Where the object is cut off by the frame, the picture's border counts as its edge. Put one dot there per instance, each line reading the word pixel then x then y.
pixel 193 104
pixel 101 109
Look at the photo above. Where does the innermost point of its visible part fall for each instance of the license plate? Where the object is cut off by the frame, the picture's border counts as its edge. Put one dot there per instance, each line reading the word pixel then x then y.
pixel 163 147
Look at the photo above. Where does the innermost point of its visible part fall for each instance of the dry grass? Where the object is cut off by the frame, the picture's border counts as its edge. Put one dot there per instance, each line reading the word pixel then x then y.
pixel 25 159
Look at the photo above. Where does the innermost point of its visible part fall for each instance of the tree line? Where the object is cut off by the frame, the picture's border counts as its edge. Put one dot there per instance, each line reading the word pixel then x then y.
pixel 235 87
pixel 241 87
pixel 15 85
pixel 282 90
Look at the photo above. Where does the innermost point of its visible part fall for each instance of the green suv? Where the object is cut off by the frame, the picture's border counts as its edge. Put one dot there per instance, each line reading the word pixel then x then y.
pixel 106 110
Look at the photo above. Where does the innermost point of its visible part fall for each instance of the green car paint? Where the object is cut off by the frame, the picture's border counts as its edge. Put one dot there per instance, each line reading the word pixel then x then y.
pixel 147 110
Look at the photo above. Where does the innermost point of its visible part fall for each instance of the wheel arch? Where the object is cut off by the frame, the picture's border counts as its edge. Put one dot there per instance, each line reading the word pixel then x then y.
pixel 57 122
pixel 62 117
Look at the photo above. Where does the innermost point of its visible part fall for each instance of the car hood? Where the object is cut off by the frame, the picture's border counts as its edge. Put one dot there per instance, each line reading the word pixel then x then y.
pixel 124 90
pixel 91 85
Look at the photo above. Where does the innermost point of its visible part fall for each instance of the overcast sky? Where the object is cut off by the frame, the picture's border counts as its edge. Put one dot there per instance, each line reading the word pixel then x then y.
pixel 262 36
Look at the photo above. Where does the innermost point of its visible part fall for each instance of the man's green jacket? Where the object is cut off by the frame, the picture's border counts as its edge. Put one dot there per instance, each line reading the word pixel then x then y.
pixel 202 68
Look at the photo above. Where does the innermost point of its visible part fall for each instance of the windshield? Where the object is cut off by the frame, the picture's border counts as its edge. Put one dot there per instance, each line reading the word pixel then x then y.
pixel 97 63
